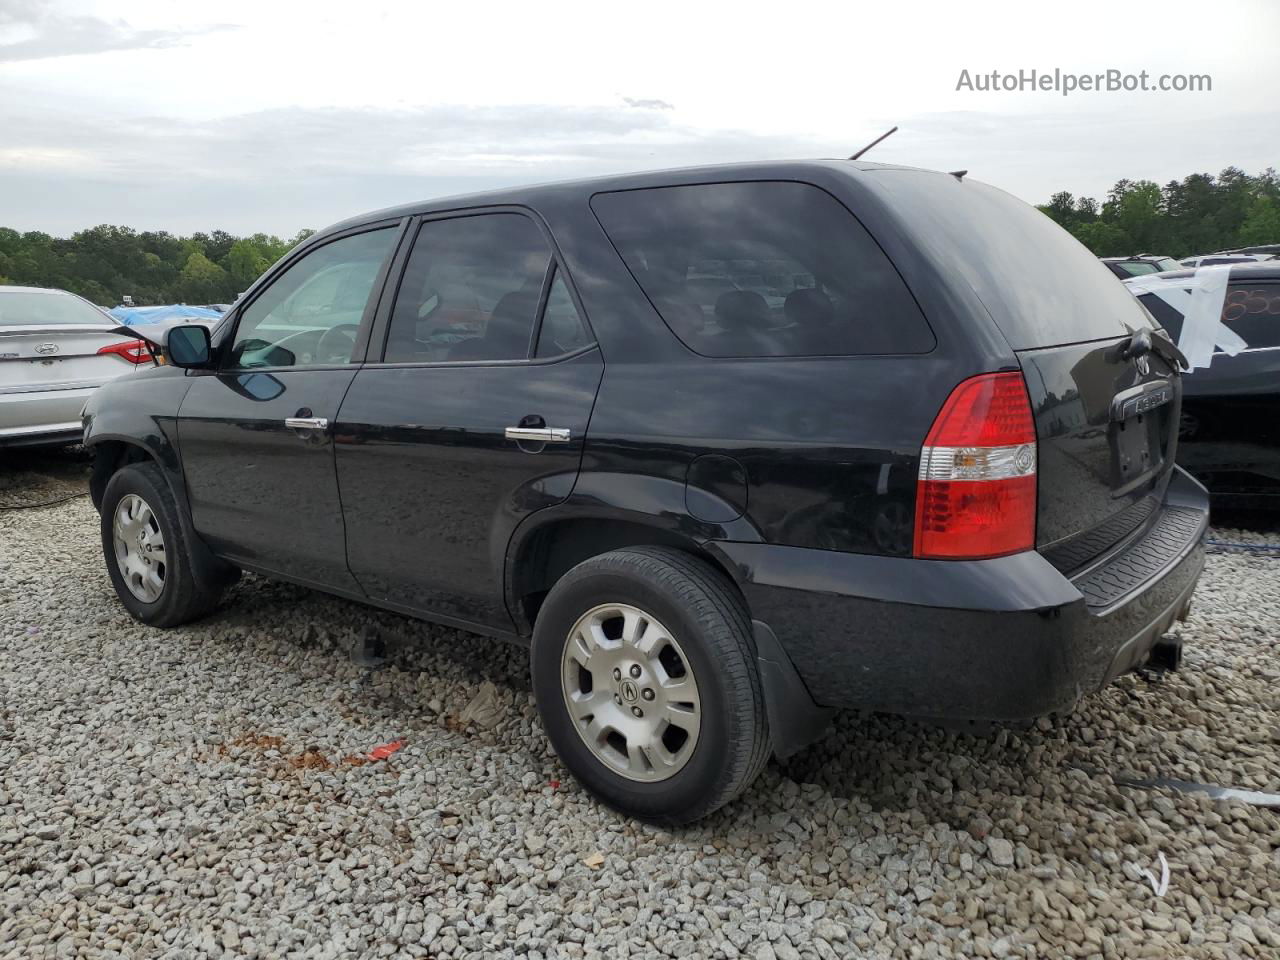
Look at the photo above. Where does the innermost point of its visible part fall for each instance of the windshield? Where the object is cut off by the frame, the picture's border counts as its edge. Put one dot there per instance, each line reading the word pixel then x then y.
pixel 19 309
pixel 1137 268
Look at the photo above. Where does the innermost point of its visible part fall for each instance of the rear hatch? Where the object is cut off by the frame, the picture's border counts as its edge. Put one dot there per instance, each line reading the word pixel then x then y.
pixel 1106 421
pixel 50 339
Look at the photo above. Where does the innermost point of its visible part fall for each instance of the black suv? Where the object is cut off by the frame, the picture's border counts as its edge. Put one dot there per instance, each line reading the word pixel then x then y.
pixel 1230 429
pixel 727 447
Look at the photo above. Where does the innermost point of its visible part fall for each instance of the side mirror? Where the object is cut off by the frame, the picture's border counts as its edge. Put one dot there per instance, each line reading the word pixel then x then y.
pixel 188 346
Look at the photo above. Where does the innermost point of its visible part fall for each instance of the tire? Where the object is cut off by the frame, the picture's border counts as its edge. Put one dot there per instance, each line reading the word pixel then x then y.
pixel 183 596
pixel 701 626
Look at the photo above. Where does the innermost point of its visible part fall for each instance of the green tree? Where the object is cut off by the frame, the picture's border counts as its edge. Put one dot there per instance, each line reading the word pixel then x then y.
pixel 202 280
pixel 1262 225
pixel 1104 239
pixel 244 263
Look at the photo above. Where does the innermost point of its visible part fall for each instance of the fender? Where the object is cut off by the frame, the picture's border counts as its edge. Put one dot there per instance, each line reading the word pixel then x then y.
pixel 638 500
pixel 142 412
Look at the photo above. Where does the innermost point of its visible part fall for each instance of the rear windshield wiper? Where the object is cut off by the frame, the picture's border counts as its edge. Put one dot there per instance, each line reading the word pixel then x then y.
pixel 1144 341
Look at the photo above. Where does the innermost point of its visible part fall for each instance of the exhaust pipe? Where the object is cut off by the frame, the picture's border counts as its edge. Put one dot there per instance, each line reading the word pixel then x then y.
pixel 1166 655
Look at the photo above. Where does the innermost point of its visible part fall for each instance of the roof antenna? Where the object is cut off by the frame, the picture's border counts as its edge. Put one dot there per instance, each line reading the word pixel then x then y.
pixel 959 174
pixel 873 143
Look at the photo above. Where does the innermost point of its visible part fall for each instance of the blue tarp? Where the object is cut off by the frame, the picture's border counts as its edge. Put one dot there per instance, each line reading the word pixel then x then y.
pixel 177 311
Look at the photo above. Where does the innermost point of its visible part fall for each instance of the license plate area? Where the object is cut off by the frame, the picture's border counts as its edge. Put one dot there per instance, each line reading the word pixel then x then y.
pixel 1136 451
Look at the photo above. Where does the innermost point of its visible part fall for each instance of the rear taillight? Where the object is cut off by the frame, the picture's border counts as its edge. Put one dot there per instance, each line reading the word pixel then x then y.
pixel 976 494
pixel 135 351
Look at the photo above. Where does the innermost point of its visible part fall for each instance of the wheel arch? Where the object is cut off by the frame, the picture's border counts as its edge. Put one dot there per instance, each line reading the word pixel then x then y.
pixel 110 453
pixel 113 451
pixel 545 548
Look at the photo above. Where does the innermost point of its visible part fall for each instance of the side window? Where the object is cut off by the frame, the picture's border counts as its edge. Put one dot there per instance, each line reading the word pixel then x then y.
pixel 763 269
pixel 470 290
pixel 562 329
pixel 1166 315
pixel 1253 311
pixel 311 313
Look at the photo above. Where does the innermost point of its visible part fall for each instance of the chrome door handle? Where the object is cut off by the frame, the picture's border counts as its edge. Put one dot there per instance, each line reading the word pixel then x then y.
pixel 539 434
pixel 306 423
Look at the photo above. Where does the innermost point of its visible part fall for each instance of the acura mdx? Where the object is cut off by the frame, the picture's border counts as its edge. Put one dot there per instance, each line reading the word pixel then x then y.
pixel 727 447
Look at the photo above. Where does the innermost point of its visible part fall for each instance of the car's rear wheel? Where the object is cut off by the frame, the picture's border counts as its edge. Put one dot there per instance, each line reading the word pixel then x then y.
pixel 146 550
pixel 646 681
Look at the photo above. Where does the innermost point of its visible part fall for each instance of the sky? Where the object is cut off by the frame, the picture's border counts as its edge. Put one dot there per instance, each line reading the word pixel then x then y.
pixel 253 116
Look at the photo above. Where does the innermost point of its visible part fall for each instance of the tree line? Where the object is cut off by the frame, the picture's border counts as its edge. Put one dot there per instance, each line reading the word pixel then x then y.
pixel 1197 214
pixel 106 263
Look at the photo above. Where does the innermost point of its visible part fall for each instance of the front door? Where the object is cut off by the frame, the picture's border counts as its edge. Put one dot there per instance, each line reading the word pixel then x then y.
pixel 257 435
pixel 474 419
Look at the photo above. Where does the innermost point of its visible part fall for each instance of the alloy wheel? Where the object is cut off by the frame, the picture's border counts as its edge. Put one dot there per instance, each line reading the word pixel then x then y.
pixel 630 692
pixel 139 546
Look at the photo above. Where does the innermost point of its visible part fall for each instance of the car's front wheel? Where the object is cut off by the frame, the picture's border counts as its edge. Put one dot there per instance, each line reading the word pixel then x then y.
pixel 646 681
pixel 146 550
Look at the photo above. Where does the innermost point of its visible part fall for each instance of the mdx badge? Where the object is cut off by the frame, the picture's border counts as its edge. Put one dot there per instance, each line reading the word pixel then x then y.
pixel 1139 400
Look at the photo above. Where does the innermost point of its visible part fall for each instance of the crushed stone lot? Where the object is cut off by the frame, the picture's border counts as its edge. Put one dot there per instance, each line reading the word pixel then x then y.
pixel 209 792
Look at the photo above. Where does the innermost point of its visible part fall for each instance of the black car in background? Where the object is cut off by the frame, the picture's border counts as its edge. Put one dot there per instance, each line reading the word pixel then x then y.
pixel 727 447
pixel 1230 427
pixel 1140 265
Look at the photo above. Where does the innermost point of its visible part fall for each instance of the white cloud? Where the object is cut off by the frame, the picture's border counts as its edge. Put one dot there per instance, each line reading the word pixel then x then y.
pixel 308 112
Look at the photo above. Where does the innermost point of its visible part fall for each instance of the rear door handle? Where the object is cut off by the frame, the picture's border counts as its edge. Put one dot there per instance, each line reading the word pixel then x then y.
pixel 306 423
pixel 539 434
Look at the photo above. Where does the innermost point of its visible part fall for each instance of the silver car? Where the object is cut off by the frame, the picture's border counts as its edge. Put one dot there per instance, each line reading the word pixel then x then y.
pixel 55 350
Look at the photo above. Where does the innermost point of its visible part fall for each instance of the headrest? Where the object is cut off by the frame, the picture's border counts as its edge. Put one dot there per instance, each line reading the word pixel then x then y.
pixel 519 306
pixel 741 309
pixel 808 307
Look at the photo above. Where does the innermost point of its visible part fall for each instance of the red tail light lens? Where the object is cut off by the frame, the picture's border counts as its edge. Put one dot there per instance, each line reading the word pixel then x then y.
pixel 135 351
pixel 976 493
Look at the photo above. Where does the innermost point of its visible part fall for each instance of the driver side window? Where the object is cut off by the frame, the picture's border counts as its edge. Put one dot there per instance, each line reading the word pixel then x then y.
pixel 310 314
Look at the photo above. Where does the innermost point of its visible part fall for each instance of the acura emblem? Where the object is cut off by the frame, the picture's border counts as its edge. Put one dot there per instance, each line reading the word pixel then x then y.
pixel 44 349
pixel 1144 365
pixel 630 692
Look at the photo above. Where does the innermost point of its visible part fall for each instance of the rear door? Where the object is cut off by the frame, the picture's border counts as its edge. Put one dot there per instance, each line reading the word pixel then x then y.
pixel 474 418
pixel 256 435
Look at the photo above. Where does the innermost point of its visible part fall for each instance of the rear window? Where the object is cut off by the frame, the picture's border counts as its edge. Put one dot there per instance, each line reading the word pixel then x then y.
pixel 55 309
pixel 1040 285
pixel 1251 309
pixel 763 269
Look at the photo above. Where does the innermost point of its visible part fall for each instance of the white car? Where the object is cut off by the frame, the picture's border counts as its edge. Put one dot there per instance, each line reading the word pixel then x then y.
pixel 55 350
pixel 1214 259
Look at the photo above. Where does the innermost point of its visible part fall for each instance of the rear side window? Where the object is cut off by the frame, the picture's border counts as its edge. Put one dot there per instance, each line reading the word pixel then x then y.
pixel 1168 317
pixel 763 269
pixel 1253 311
pixel 470 290
pixel 562 328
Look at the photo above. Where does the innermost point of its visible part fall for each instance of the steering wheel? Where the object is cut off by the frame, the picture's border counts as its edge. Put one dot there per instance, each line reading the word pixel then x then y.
pixel 336 343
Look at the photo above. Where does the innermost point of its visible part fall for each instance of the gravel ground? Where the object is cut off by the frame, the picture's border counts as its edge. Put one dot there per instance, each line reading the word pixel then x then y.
pixel 208 792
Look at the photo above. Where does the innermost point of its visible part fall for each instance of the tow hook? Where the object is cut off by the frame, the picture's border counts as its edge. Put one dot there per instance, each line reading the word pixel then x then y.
pixel 1165 657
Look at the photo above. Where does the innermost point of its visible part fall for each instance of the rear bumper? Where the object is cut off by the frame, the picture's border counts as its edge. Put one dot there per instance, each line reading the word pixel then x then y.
pixel 1005 639
pixel 37 417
